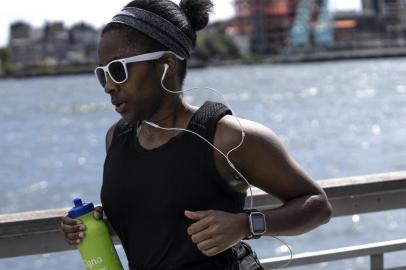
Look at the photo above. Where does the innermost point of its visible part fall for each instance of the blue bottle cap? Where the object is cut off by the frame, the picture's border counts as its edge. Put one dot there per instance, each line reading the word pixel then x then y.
pixel 80 209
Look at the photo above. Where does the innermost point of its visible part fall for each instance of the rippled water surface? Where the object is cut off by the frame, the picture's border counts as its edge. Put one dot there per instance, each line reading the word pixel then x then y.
pixel 336 119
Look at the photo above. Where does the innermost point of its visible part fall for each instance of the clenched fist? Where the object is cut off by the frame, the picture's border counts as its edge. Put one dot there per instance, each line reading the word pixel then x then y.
pixel 215 231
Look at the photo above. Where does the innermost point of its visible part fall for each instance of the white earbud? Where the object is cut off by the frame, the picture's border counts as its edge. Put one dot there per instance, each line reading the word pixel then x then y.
pixel 166 66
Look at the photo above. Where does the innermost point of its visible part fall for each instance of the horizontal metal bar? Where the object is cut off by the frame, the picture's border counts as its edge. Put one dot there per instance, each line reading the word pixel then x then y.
pixel 353 195
pixel 336 254
pixel 365 184
pixel 39 243
pixel 397 268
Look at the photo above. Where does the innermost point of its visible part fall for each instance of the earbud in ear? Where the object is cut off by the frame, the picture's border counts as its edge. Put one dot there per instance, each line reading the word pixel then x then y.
pixel 166 66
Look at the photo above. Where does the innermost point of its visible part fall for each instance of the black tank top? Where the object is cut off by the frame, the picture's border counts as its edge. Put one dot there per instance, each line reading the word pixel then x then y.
pixel 145 193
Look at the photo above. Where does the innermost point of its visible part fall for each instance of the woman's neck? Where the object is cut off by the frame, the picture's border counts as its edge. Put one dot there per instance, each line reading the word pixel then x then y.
pixel 176 113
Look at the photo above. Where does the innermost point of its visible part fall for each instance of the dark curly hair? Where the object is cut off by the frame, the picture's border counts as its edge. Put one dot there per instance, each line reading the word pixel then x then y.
pixel 190 16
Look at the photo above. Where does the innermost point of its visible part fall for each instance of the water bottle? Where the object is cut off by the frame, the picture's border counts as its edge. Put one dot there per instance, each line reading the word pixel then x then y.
pixel 96 247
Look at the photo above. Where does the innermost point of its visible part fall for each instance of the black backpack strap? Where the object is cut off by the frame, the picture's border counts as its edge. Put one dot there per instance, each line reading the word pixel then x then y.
pixel 204 121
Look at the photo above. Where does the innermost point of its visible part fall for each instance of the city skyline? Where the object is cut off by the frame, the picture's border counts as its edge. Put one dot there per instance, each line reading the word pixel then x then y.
pixel 70 15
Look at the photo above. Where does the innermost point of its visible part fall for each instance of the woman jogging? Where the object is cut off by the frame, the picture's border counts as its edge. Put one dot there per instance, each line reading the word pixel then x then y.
pixel 174 200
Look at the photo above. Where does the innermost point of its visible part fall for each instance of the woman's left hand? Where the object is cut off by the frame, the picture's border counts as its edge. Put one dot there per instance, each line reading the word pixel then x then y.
pixel 215 231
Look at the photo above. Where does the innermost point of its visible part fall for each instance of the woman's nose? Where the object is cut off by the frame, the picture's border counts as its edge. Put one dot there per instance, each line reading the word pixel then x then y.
pixel 110 85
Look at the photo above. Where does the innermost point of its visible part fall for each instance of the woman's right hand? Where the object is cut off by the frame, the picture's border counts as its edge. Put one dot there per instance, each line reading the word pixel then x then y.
pixel 74 229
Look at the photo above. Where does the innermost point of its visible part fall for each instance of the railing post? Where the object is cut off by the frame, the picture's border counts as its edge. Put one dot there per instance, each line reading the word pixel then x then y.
pixel 377 262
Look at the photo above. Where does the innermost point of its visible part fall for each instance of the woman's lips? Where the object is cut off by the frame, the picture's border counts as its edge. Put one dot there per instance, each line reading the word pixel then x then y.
pixel 120 108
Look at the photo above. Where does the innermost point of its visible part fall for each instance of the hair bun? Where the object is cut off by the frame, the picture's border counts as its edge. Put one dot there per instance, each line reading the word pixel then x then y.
pixel 197 12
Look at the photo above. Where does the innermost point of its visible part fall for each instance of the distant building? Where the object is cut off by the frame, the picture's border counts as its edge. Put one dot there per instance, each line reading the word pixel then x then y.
pixel 20 30
pixel 387 15
pixel 54 44
pixel 383 8
pixel 394 15
pixel 22 45
pixel 269 26
pixel 346 29
pixel 264 23
pixel 382 23
pixel 83 43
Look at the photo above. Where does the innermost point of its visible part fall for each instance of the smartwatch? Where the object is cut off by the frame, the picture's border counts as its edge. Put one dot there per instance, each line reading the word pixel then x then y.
pixel 257 224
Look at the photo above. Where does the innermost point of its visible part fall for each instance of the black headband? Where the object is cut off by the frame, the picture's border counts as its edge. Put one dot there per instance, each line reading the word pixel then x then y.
pixel 157 28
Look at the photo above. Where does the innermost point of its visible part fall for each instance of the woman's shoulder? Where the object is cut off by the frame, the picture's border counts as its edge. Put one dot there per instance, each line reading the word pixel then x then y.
pixel 109 135
pixel 229 132
pixel 120 124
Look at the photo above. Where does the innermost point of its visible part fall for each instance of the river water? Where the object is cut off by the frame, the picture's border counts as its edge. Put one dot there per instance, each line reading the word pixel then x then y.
pixel 336 119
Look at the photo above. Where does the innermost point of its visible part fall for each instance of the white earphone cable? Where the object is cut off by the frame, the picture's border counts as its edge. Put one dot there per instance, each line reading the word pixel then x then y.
pixel 228 153
pixel 218 150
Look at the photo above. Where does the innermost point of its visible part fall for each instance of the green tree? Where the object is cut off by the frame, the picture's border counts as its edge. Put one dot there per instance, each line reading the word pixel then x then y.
pixel 216 46
pixel 6 64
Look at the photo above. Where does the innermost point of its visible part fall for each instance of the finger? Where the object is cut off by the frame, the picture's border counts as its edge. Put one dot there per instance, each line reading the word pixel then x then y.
pixel 197 215
pixel 207 244
pixel 212 251
pixel 98 212
pixel 200 225
pixel 202 236
pixel 73 242
pixel 70 221
pixel 73 229
pixel 75 236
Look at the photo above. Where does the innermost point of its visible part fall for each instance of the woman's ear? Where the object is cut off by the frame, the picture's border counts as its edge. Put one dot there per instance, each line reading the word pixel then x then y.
pixel 169 65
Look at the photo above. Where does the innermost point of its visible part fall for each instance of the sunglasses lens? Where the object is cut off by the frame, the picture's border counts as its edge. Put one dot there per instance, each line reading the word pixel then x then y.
pixel 117 72
pixel 101 77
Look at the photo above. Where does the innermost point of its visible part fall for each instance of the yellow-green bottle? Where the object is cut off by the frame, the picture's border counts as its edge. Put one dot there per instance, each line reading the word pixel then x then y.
pixel 96 247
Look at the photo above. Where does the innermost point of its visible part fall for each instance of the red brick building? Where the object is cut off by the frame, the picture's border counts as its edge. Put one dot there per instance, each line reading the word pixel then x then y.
pixel 265 23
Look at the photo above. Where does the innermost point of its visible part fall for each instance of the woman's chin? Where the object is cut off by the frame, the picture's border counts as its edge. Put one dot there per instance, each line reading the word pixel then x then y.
pixel 128 118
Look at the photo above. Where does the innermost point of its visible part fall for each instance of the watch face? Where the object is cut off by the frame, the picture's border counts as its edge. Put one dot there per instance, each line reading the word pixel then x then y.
pixel 258 223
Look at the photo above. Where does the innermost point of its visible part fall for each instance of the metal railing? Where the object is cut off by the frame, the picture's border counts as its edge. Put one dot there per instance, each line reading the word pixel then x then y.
pixel 375 251
pixel 39 232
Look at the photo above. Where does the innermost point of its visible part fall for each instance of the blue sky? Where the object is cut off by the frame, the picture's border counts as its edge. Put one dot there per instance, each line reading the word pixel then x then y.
pixel 97 12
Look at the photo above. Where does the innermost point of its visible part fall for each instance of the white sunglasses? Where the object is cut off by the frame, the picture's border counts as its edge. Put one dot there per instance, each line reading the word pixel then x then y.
pixel 117 69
